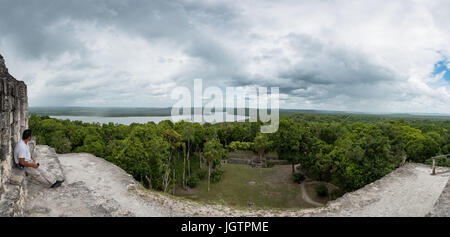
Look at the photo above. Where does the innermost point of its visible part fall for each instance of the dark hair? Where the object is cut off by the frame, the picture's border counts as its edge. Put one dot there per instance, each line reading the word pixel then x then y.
pixel 26 134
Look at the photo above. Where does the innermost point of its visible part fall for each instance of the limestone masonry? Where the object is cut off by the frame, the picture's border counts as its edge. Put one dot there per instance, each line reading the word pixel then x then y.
pixel 13 121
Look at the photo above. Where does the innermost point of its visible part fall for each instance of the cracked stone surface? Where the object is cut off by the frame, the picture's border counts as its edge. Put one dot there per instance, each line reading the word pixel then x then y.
pixel 407 191
pixel 92 187
pixel 442 206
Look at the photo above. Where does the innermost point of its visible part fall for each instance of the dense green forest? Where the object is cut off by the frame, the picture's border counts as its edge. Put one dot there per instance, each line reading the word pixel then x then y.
pixel 347 150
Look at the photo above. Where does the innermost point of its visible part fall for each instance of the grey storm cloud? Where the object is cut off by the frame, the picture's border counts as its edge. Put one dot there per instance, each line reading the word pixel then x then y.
pixel 336 69
pixel 327 64
pixel 102 52
pixel 29 23
pixel 325 71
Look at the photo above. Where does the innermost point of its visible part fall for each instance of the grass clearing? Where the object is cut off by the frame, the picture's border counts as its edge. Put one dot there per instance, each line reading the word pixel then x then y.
pixel 273 188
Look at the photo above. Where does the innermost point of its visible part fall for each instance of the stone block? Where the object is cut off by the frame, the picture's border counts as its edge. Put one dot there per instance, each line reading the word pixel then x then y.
pixel 16 180
pixel 32 144
pixel 3 91
pixel 4 120
pixel 5 171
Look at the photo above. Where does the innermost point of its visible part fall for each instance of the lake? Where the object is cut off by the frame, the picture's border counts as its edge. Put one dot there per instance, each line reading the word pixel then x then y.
pixel 130 120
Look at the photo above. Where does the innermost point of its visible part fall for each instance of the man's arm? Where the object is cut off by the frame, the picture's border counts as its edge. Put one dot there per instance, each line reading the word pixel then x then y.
pixel 26 164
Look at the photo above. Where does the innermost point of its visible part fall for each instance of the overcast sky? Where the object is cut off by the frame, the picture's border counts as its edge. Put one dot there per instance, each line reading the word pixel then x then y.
pixel 372 56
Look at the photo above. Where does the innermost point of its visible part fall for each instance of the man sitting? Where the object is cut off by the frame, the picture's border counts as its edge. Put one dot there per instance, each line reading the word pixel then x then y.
pixel 22 156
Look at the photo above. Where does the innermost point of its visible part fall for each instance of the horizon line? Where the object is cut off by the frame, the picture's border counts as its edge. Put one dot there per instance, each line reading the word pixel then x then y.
pixel 284 109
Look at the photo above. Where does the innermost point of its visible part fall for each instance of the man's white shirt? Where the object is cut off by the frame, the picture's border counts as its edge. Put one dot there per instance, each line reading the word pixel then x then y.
pixel 22 150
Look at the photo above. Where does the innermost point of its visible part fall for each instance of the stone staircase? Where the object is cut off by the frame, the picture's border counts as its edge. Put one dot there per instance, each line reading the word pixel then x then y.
pixel 252 160
pixel 258 164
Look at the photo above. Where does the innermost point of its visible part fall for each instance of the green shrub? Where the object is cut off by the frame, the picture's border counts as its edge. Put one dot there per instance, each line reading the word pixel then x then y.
pixel 40 140
pixel 216 175
pixel 298 177
pixel 193 182
pixel 58 141
pixel 202 174
pixel 446 149
pixel 337 193
pixel 237 145
pixel 269 164
pixel 321 190
pixel 442 161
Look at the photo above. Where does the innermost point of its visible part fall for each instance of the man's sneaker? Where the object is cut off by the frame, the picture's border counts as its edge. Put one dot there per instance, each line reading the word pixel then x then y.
pixel 57 184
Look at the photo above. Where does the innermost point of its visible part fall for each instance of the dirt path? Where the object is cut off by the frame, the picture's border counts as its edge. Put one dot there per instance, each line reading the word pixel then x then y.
pixel 306 197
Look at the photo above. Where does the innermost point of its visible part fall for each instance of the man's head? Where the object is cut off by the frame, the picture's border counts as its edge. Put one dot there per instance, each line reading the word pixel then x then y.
pixel 26 136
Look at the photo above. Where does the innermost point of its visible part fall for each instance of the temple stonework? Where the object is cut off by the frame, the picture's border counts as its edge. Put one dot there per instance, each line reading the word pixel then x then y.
pixel 13 121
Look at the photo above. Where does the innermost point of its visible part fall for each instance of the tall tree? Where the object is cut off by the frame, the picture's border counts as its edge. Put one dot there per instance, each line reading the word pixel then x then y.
pixel 174 139
pixel 287 141
pixel 262 145
pixel 198 141
pixel 187 132
pixel 213 152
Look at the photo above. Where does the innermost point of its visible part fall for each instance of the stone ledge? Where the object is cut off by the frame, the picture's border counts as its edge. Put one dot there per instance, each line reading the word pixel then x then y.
pixel 12 201
pixel 16 180
pixel 442 206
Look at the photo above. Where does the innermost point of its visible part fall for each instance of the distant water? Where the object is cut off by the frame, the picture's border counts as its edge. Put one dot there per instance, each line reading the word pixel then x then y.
pixel 130 120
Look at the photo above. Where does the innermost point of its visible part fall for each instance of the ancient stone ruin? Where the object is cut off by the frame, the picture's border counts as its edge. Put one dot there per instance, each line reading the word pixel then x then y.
pixel 13 121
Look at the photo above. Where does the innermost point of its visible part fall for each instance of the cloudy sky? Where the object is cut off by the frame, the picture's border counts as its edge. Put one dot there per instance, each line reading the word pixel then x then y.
pixel 372 56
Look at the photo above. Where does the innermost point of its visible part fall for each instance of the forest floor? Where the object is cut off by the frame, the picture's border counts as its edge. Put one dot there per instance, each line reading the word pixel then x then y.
pixel 95 187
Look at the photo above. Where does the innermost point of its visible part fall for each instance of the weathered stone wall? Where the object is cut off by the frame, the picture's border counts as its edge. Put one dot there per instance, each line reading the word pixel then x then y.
pixel 13 120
